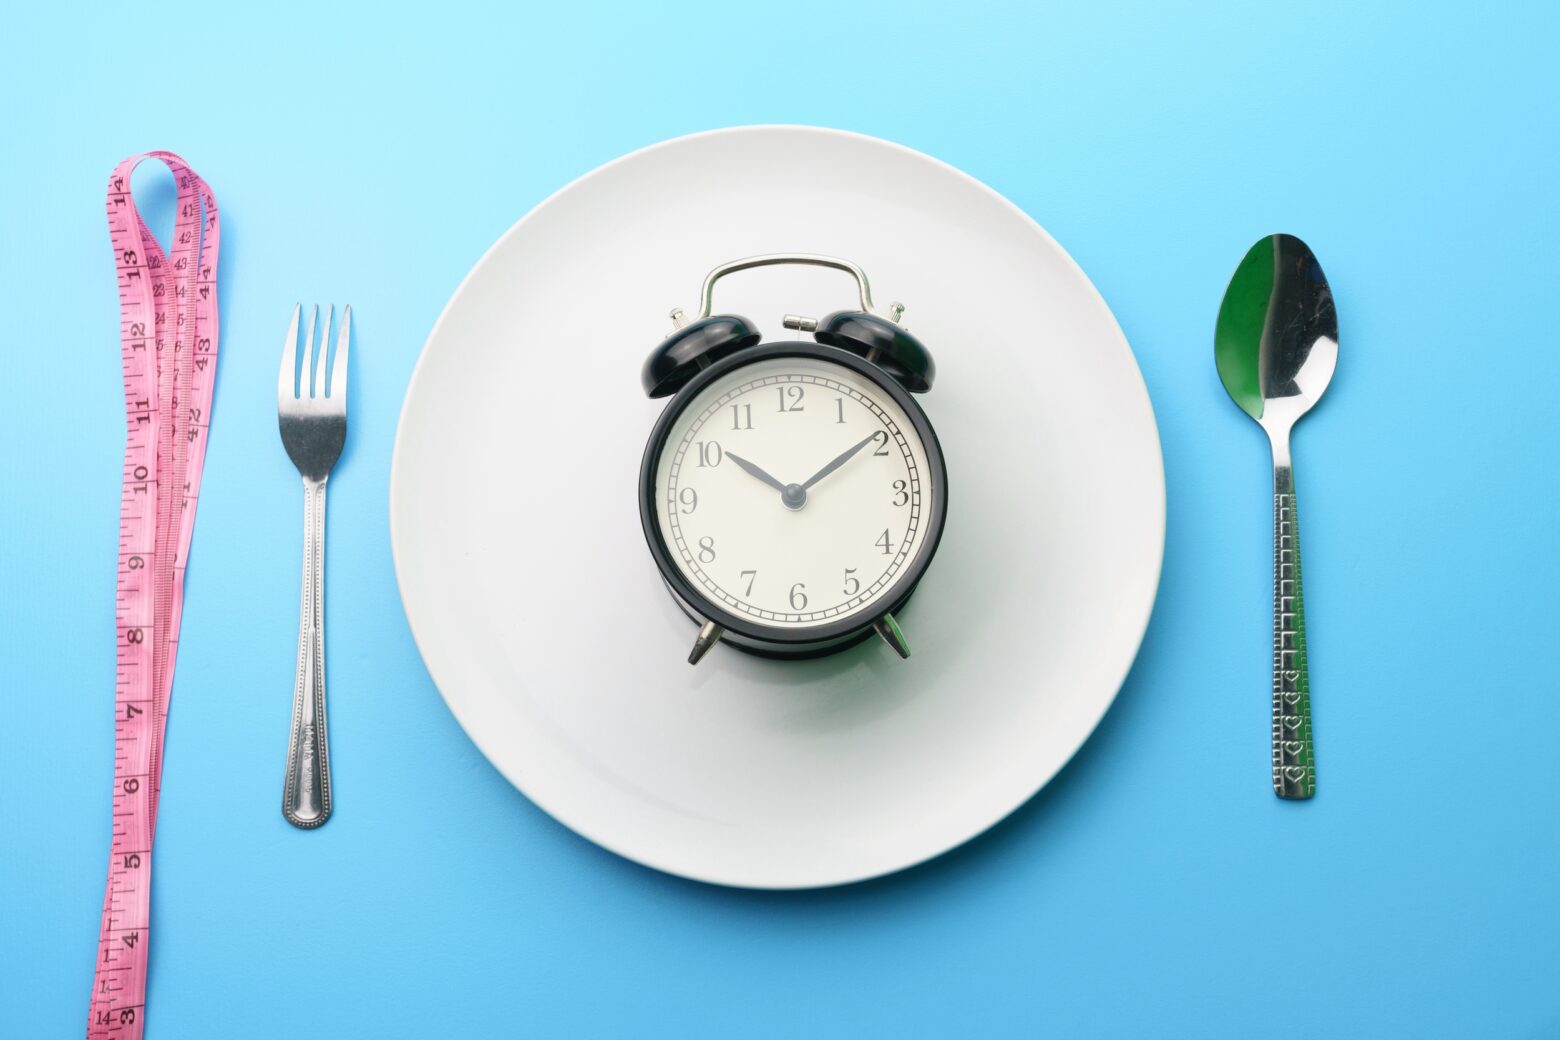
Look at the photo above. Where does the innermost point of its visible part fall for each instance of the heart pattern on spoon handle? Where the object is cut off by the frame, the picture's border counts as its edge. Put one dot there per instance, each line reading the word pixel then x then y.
pixel 1294 759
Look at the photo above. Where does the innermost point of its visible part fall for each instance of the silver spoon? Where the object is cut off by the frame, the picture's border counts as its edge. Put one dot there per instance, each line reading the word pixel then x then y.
pixel 1276 346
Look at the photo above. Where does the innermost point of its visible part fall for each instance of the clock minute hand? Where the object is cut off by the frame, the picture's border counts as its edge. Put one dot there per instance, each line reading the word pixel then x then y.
pixel 755 471
pixel 843 458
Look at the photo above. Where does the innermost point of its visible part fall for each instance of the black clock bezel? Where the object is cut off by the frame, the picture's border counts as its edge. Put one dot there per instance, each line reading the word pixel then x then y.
pixel 774 638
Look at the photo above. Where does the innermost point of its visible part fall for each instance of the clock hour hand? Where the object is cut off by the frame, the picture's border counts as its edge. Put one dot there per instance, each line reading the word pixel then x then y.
pixel 843 458
pixel 755 471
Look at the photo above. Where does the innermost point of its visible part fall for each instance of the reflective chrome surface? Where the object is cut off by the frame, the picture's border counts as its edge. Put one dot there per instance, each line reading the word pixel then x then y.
pixel 1276 346
pixel 312 416
pixel 889 631
pixel 709 635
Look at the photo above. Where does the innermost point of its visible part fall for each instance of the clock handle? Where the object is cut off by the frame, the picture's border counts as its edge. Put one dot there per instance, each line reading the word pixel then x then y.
pixel 707 296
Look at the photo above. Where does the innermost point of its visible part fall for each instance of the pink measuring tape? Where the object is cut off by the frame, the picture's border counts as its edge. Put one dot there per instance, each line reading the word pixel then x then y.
pixel 168 338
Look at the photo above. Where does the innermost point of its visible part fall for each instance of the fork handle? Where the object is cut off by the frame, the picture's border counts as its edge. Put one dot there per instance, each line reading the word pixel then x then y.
pixel 1294 759
pixel 306 795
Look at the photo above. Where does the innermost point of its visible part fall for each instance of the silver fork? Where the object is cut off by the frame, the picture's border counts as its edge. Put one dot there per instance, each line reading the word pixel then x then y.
pixel 314 427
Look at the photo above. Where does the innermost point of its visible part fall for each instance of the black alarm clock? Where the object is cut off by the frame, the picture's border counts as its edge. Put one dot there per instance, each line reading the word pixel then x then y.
pixel 793 493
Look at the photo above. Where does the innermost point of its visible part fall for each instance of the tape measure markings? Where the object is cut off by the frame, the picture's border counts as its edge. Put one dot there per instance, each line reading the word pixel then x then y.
pixel 168 345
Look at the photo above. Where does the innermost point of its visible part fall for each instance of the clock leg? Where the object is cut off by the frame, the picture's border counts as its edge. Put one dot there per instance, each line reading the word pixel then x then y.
pixel 708 636
pixel 888 628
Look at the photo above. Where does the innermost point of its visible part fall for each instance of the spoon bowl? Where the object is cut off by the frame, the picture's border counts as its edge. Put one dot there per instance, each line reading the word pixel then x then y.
pixel 1276 342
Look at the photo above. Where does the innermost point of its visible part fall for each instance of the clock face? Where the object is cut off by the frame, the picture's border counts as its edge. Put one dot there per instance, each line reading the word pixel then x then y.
pixel 794 493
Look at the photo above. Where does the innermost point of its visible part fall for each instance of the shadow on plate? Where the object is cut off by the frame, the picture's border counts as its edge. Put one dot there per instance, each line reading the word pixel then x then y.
pixel 956 866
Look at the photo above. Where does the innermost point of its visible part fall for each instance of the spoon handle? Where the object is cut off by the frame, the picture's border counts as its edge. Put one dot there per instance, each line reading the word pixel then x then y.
pixel 1294 761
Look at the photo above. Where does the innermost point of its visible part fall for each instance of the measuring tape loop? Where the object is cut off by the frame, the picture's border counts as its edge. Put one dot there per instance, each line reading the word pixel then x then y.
pixel 168 344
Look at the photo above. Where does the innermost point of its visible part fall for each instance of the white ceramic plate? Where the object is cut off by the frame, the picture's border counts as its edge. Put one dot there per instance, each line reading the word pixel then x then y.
pixel 540 614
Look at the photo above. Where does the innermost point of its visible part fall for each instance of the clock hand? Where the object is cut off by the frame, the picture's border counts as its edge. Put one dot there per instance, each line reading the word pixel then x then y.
pixel 837 463
pixel 755 471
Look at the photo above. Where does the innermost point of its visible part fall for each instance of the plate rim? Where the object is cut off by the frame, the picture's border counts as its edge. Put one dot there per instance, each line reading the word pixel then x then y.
pixel 709 876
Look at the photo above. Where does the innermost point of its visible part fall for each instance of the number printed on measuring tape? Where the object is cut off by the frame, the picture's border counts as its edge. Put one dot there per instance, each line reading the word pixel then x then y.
pixel 168 346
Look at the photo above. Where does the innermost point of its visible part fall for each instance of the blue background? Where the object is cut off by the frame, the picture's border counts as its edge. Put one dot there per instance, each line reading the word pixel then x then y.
pixel 1156 888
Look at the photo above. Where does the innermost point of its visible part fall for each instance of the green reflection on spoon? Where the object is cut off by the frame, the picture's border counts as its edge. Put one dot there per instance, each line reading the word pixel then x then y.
pixel 1238 335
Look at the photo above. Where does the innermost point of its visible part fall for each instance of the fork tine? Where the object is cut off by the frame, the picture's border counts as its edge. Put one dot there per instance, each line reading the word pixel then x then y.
pixel 317 389
pixel 305 376
pixel 287 381
pixel 338 371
